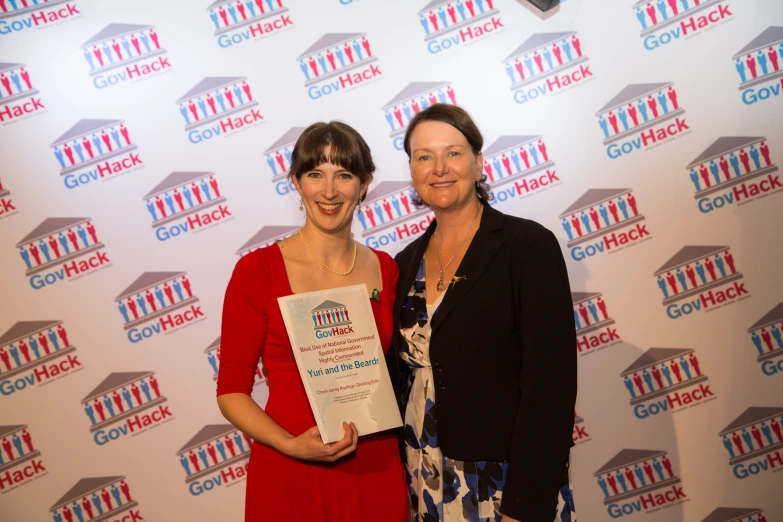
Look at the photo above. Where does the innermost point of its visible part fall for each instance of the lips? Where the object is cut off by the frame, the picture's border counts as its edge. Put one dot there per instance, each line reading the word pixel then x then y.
pixel 329 207
pixel 442 184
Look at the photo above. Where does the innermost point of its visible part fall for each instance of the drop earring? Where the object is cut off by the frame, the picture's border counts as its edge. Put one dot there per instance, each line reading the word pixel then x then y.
pixel 359 207
pixel 301 204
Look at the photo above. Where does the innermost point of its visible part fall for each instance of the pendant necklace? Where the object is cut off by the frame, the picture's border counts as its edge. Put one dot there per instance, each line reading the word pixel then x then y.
pixel 443 268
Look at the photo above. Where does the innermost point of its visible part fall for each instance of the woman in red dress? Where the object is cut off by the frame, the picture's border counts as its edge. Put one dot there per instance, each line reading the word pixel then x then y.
pixel 292 474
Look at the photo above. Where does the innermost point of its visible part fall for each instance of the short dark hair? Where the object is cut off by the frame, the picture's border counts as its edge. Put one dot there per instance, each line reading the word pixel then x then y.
pixel 458 118
pixel 347 149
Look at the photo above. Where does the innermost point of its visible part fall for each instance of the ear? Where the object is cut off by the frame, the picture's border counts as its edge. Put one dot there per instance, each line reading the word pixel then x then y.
pixel 480 162
pixel 295 181
pixel 366 186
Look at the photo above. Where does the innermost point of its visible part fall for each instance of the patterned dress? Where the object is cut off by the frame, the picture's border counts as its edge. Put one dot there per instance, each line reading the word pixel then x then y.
pixel 443 489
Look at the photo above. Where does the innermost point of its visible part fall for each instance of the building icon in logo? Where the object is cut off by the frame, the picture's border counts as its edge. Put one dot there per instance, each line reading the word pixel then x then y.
pixel 124 403
pixel 338 61
pixel 33 352
pixel 236 21
pixel 521 160
pixel 767 337
pixel 546 63
pixel 641 474
pixel 662 380
pixel 216 456
pixel 759 63
pixel 213 356
pixel 97 499
pixel 329 314
pixel 757 436
pixel 634 119
pixel 607 220
pixel 278 158
pixel 184 195
pixel 722 174
pixel 152 304
pixel 386 212
pixel 60 249
pixel 594 330
pixel 102 144
pixel 7 207
pixel 463 22
pixel 129 51
pixel 580 433
pixel 265 237
pixel 19 458
pixel 415 97
pixel 15 89
pixel 725 514
pixel 666 22
pixel 218 106
pixel 698 275
pixel 36 14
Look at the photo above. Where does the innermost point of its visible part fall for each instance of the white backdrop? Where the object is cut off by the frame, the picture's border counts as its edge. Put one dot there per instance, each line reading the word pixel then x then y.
pixel 54 454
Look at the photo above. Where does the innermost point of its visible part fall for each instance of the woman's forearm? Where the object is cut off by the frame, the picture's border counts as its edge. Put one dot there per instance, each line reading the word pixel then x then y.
pixel 249 418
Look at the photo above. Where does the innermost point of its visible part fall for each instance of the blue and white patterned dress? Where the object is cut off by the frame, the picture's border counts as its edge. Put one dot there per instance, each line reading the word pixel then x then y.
pixel 443 489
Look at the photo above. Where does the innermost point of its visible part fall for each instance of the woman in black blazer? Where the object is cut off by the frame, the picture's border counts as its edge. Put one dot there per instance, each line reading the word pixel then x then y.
pixel 485 359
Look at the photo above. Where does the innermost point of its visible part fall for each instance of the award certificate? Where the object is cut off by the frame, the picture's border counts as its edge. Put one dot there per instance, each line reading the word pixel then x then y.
pixel 340 359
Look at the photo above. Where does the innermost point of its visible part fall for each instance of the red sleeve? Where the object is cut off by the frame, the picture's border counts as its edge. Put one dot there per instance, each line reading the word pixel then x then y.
pixel 390 271
pixel 243 331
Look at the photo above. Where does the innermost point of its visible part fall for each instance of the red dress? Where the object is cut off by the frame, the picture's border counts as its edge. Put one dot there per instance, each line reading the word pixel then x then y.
pixel 368 485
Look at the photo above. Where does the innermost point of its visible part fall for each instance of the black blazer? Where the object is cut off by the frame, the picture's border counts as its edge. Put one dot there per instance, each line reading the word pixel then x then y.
pixel 503 353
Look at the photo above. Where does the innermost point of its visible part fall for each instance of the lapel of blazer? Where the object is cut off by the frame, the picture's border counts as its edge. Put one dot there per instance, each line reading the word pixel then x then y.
pixel 408 269
pixel 481 251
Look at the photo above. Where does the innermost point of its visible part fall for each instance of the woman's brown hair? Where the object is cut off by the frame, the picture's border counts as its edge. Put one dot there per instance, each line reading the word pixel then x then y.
pixel 347 149
pixel 458 118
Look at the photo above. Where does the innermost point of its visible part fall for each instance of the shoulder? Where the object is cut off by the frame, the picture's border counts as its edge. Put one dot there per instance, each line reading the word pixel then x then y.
pixel 388 264
pixel 409 250
pixel 257 262
pixel 526 229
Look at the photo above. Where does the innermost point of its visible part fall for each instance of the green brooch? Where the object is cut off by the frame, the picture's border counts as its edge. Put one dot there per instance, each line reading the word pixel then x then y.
pixel 376 294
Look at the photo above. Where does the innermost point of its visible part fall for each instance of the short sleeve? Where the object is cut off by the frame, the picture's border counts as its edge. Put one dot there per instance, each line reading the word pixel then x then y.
pixel 244 324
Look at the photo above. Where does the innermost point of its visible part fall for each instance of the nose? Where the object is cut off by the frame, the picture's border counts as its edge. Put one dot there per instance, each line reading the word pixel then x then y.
pixel 439 165
pixel 329 191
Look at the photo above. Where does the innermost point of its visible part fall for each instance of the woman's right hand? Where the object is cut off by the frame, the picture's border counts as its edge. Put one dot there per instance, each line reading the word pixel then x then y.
pixel 309 446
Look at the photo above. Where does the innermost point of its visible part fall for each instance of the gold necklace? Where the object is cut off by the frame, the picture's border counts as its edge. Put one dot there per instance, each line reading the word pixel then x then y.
pixel 437 253
pixel 353 264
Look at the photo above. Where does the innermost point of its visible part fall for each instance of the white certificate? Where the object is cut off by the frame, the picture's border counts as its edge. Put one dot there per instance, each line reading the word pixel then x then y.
pixel 340 359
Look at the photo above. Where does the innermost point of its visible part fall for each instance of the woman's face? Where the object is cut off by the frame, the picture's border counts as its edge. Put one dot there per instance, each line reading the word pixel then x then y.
pixel 444 169
pixel 330 194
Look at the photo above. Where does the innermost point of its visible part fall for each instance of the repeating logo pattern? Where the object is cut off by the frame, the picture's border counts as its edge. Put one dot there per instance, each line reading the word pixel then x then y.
pixel 667 21
pixel 265 237
pixel 181 204
pixel 547 64
pixel 663 379
pixel 98 499
pixel 218 106
pixel 20 460
pixel 153 305
pixel 338 62
pixel 415 97
pixel 636 117
pixel 62 249
pixel 646 476
pixel 768 340
pixel 18 98
pixel 736 515
pixel 603 220
pixel 722 174
pixel 125 403
pixel 389 215
pixel 20 15
pixel 754 441
pixel 123 53
pixel 594 330
pixel 213 357
pixel 448 24
pixel 35 353
pixel 700 276
pixel 104 145
pixel 238 21
pixel 760 66
pixel 215 457
pixel 521 160
pixel 7 207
